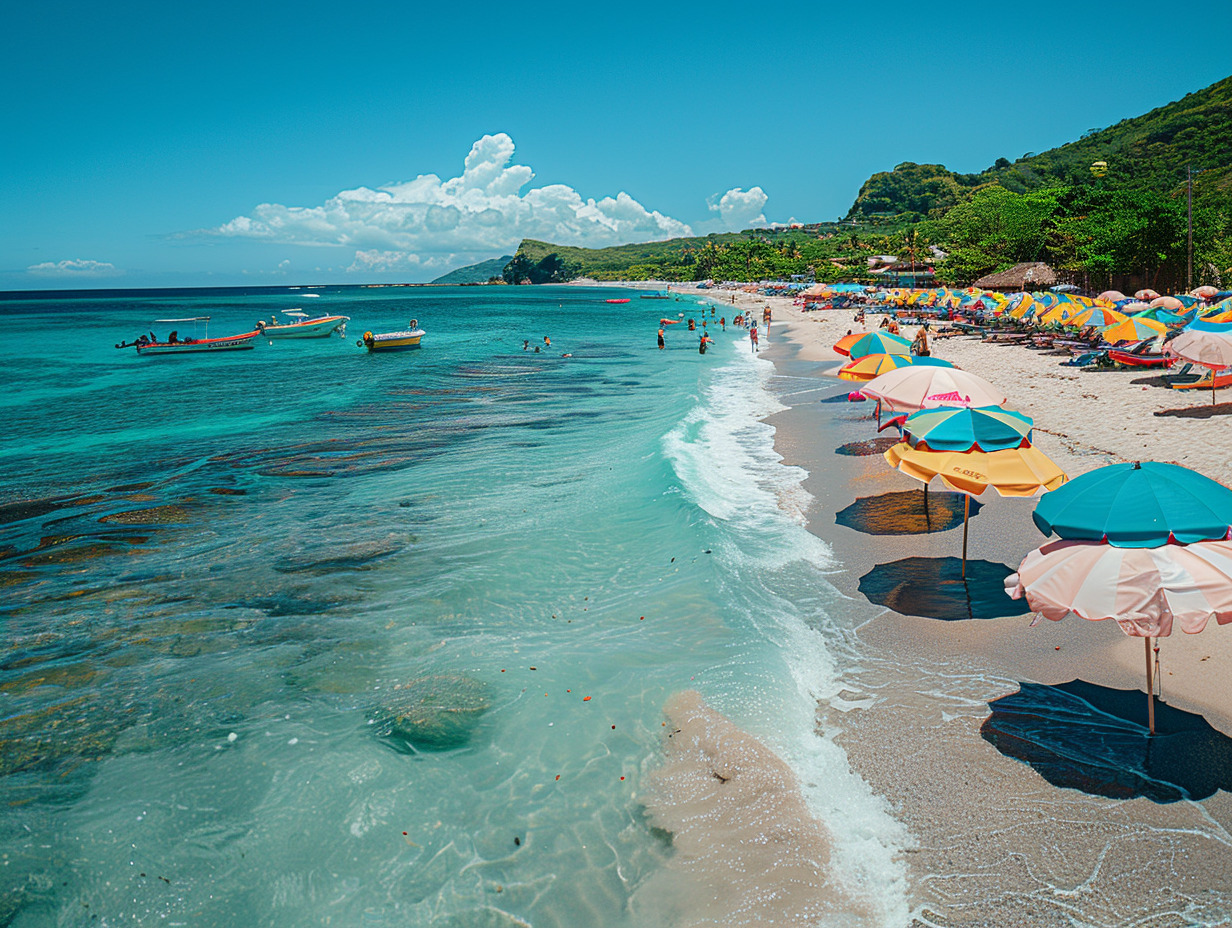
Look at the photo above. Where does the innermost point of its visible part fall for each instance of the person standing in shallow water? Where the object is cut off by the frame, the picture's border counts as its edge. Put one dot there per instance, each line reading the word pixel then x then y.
pixel 753 346
pixel 547 342
pixel 661 343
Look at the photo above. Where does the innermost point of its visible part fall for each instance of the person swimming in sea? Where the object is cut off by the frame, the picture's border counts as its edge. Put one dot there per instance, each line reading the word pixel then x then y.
pixel 526 344
pixel 547 342
pixel 662 344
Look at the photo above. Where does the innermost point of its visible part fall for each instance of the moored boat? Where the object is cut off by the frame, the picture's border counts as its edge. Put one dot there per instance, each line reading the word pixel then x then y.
pixel 198 343
pixel 303 326
pixel 393 341
pixel 1138 360
pixel 625 300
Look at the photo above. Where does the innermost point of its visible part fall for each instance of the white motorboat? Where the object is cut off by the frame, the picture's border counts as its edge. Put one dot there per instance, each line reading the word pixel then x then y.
pixel 301 325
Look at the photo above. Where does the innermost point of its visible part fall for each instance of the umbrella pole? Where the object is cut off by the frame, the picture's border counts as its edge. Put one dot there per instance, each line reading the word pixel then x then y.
pixel 966 518
pixel 1150 687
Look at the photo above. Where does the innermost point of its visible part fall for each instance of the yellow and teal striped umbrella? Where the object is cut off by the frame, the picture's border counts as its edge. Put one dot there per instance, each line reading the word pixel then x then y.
pixel 954 428
pixel 879 343
pixel 874 365
pixel 1098 316
pixel 1134 329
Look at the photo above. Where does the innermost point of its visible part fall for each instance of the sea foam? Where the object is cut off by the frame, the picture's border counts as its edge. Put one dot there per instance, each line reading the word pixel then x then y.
pixel 723 454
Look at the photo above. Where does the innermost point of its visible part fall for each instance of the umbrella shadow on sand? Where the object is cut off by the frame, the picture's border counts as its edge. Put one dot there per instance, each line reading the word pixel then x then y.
pixel 934 588
pixel 906 512
pixel 1091 738
pixel 1198 412
pixel 868 447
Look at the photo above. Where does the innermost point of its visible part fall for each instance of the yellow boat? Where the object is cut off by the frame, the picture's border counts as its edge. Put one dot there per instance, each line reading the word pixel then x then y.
pixel 394 341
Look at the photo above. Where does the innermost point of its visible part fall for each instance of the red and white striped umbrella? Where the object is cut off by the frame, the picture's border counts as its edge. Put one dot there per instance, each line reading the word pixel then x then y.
pixel 1145 590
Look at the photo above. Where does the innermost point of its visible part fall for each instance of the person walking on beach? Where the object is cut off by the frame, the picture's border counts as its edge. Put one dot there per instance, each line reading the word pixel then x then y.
pixel 919 347
pixel 661 343
pixel 753 338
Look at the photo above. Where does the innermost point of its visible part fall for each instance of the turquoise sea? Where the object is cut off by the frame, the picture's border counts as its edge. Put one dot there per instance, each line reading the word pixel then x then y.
pixel 307 636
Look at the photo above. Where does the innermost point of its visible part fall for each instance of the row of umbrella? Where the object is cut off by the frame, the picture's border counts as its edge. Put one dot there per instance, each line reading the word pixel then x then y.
pixel 1148 545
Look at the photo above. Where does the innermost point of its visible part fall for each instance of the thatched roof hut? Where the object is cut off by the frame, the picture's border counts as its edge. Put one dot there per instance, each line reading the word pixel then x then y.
pixel 1030 275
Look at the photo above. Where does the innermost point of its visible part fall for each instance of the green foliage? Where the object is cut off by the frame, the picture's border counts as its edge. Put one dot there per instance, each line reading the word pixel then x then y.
pixel 913 190
pixel 1042 207
pixel 752 255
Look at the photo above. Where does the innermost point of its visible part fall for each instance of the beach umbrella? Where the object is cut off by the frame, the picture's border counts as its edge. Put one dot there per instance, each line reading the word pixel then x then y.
pixel 879 343
pixel 966 428
pixel 1112 296
pixel 1163 316
pixel 1204 292
pixel 1146 295
pixel 1133 307
pixel 1144 590
pixel 1024 471
pixel 920 387
pixel 1133 329
pixel 1140 505
pixel 873 365
pixel 1203 344
pixel 1168 302
pixel 1021 305
pixel 1097 316
pixel 843 345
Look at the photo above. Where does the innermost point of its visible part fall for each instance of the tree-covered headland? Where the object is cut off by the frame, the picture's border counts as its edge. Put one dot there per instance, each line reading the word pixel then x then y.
pixel 1108 209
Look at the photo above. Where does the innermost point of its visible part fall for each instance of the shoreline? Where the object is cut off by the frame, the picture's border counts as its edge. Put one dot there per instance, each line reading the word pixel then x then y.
pixel 1006 847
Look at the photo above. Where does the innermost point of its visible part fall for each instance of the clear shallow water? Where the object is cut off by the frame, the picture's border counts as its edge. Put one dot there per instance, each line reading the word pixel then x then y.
pixel 224 576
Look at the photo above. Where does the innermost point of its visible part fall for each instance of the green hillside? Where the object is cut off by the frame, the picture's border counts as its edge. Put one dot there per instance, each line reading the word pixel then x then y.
pixel 1109 209
pixel 752 255
pixel 479 273
pixel 1151 152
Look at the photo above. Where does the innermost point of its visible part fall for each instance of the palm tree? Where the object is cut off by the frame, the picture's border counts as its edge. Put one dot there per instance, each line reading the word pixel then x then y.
pixel 913 243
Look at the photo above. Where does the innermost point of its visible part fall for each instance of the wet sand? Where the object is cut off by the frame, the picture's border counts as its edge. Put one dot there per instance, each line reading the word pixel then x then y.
pixel 995 843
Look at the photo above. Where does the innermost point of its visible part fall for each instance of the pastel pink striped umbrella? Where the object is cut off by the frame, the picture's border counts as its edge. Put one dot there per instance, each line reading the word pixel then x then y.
pixel 1144 590
pixel 911 388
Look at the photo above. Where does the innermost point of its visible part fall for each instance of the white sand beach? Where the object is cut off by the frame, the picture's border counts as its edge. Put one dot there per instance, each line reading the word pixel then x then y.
pixel 996 843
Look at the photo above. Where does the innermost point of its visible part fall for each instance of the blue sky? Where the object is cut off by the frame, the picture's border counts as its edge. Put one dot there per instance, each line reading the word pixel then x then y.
pixel 237 143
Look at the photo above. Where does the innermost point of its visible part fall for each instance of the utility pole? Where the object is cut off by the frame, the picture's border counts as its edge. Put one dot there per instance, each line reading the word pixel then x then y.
pixel 1189 265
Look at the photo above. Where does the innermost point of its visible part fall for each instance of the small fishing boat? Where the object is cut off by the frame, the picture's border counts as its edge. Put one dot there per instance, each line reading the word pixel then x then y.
pixel 301 325
pixel 198 343
pixel 393 341
pixel 625 300
pixel 1138 360
pixel 655 296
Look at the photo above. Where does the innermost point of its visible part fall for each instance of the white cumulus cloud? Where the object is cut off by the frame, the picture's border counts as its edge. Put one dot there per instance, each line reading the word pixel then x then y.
pixel 741 209
pixel 73 267
pixel 429 223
